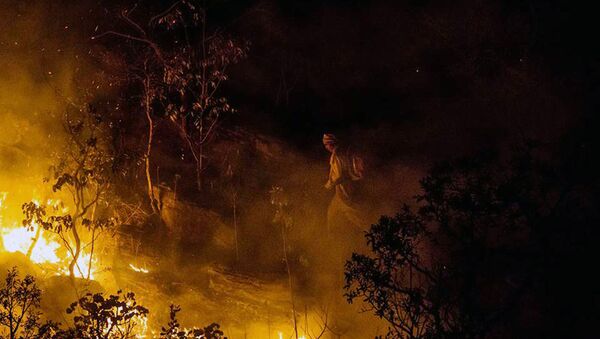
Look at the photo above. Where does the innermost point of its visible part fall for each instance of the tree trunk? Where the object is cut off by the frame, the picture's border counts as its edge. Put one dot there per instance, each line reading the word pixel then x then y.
pixel 36 237
pixel 76 254
pixel 235 227
pixel 148 152
pixel 289 273
pixel 89 272
pixel 199 173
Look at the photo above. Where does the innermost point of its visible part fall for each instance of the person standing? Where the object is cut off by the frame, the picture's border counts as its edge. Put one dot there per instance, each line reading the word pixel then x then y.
pixel 345 170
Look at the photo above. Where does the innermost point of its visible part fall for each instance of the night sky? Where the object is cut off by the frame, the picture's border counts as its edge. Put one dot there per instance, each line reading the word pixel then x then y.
pixel 431 78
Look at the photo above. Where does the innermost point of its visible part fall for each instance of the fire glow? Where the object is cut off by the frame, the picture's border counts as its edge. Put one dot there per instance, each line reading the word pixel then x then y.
pixel 138 269
pixel 21 239
pixel 40 247
pixel 44 251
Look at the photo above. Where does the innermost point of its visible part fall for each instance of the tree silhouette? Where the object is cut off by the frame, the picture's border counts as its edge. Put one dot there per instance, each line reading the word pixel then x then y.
pixel 475 245
pixel 179 65
pixel 84 169
pixel 98 317
pixel 173 329
pixel 19 301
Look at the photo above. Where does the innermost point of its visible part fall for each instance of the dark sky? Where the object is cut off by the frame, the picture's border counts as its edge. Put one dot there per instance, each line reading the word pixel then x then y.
pixel 410 79
pixel 416 78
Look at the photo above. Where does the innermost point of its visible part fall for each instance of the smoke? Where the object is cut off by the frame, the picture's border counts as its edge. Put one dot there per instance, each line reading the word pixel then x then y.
pixel 43 67
pixel 44 73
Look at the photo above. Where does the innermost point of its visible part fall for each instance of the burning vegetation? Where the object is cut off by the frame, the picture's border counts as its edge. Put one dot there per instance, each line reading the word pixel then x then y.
pixel 144 195
pixel 127 176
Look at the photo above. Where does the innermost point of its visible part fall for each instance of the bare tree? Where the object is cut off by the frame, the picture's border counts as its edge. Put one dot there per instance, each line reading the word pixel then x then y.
pixel 195 77
pixel 182 73
pixel 282 216
pixel 140 65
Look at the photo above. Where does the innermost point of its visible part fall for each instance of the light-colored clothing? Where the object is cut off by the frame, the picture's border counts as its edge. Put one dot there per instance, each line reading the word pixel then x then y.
pixel 342 211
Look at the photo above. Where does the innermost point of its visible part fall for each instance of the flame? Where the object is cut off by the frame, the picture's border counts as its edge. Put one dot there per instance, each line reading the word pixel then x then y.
pixel 139 269
pixel 143 321
pixel 46 249
pixel 280 335
pixel 20 239
pixel 2 198
pixel 82 269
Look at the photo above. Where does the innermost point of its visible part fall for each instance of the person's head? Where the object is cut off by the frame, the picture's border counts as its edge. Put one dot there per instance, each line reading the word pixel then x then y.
pixel 330 142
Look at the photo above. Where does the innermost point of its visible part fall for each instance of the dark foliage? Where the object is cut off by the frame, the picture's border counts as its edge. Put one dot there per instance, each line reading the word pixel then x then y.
pixel 483 253
pixel 94 316
pixel 100 317
pixel 19 301
pixel 174 330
